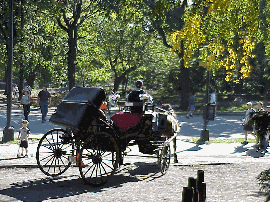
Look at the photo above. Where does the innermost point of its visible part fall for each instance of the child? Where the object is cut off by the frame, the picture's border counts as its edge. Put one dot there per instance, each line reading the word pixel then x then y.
pixel 23 135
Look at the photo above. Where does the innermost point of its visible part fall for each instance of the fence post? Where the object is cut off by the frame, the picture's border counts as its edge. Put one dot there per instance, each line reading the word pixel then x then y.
pixel 201 186
pixel 174 149
pixel 192 182
pixel 187 194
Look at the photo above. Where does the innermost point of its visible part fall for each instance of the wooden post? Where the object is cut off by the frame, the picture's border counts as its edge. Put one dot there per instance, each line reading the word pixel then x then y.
pixel 200 176
pixel 201 186
pixel 174 148
pixel 187 194
pixel 192 182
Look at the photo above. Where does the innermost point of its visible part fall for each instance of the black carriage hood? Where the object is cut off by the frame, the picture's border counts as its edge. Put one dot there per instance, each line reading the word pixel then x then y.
pixel 77 108
pixel 94 95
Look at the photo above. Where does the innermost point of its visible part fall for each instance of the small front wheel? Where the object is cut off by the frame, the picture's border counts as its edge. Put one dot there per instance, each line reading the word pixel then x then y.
pixel 53 152
pixel 98 159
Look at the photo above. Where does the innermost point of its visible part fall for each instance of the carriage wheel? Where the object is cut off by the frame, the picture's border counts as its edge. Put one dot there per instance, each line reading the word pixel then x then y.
pixel 99 158
pixel 53 152
pixel 164 158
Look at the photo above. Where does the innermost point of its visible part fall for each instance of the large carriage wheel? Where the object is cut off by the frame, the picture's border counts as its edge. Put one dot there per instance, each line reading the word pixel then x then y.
pixel 53 152
pixel 99 158
pixel 164 157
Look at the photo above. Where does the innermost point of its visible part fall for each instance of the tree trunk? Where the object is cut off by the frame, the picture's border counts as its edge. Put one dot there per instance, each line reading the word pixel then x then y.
pixel 32 76
pixel 185 88
pixel 72 43
pixel 21 79
pixel 184 79
pixel 117 82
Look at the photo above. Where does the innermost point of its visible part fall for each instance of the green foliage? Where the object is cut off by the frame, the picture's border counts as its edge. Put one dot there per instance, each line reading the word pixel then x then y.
pixel 264 182
pixel 120 41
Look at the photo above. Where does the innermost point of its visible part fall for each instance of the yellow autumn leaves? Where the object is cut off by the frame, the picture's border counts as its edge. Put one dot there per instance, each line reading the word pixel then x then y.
pixel 229 46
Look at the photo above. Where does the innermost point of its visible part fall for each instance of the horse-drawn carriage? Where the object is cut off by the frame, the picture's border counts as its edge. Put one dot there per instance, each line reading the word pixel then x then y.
pixel 97 145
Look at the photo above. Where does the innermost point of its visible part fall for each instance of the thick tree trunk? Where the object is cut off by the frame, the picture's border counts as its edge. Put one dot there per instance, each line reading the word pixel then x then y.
pixel 71 56
pixel 185 88
pixel 184 79
pixel 32 77
pixel 117 82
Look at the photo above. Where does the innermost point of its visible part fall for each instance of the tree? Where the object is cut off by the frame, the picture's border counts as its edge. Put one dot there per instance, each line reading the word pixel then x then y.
pixel 123 41
pixel 226 32
pixel 70 25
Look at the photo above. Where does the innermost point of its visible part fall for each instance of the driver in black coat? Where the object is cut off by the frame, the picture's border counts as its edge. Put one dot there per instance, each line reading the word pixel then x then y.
pixel 139 95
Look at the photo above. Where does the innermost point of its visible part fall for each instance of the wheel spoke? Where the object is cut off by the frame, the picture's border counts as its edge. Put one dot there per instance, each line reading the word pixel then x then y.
pixel 108 165
pixel 51 164
pixel 51 146
pixel 47 157
pixel 90 169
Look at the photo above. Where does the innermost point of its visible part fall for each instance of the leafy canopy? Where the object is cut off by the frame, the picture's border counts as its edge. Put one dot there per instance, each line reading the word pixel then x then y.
pixel 225 34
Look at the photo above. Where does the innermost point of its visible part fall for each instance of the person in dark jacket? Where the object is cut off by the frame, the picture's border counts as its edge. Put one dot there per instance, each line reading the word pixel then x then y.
pixel 44 100
pixel 139 95
pixel 191 105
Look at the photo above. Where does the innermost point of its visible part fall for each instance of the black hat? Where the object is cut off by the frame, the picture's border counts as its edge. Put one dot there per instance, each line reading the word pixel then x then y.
pixel 138 83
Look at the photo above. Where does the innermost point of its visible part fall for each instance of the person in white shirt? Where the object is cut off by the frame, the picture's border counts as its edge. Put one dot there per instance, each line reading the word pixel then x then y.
pixel 15 92
pixel 213 100
pixel 28 89
pixel 25 101
pixel 213 97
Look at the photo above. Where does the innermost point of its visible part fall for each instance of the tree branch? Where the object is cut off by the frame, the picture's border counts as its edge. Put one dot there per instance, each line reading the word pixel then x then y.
pixel 61 25
pixel 163 36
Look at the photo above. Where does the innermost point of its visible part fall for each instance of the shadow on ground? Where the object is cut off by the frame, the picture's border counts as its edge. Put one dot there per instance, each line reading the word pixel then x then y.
pixel 65 186
pixel 249 151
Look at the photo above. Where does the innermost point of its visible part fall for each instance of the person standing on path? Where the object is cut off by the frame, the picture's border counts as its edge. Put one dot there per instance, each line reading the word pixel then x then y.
pixel 213 100
pixel 23 136
pixel 247 124
pixel 25 101
pixel 213 97
pixel 260 138
pixel 191 105
pixel 15 93
pixel 28 89
pixel 44 100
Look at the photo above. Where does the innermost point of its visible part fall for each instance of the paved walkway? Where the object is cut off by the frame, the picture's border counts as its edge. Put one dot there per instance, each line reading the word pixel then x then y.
pixel 188 153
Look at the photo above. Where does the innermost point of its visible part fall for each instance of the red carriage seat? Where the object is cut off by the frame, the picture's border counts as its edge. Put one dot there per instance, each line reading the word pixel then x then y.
pixel 126 120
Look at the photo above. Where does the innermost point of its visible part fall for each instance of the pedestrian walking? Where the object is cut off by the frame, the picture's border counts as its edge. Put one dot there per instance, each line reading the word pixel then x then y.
pixel 25 101
pixel 213 97
pixel 213 100
pixel 260 136
pixel 23 136
pixel 15 92
pixel 247 123
pixel 44 100
pixel 28 89
pixel 191 105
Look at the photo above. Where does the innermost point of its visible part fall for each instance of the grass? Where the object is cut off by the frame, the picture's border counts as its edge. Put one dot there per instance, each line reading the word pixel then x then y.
pixel 17 141
pixel 233 107
pixel 225 140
